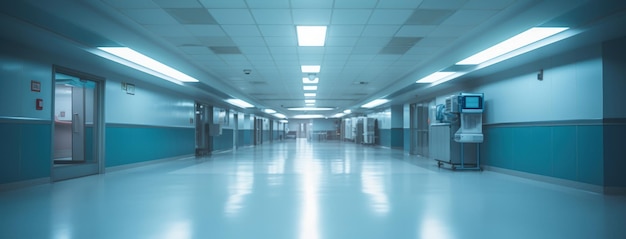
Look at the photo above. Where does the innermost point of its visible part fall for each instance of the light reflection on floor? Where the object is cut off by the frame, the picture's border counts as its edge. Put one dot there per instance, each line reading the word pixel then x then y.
pixel 307 190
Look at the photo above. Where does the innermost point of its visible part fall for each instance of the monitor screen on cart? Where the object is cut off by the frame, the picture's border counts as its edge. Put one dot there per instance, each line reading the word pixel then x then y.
pixel 472 102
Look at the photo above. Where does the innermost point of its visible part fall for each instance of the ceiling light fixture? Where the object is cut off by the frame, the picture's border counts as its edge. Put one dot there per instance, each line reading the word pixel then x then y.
pixel 309 101
pixel 240 103
pixel 308 116
pixel 309 87
pixel 523 39
pixel 310 94
pixel 375 103
pixel 347 111
pixel 338 115
pixel 306 80
pixel 269 111
pixel 309 105
pixel 311 35
pixel 310 108
pixel 148 63
pixel 311 68
pixel 435 77
pixel 280 116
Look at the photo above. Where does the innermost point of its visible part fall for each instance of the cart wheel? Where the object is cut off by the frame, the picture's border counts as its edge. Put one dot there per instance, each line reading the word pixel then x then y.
pixel 453 167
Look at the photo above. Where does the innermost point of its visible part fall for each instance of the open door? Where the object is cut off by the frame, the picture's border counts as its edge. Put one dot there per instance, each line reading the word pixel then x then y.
pixel 77 136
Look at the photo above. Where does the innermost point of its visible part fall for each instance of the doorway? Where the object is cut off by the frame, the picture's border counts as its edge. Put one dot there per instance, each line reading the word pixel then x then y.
pixel 419 127
pixel 78 124
pixel 204 117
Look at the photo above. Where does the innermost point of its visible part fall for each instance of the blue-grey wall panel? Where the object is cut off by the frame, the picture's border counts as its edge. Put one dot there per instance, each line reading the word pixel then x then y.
pixel 614 156
pixel 564 151
pixel 567 152
pixel 247 136
pixel 397 138
pixel 35 151
pixel 590 154
pixel 10 153
pixel 407 140
pixel 134 144
pixel 384 137
pixel 26 155
pixel 223 141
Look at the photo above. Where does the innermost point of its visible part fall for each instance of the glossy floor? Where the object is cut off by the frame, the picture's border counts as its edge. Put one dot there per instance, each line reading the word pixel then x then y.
pixel 307 190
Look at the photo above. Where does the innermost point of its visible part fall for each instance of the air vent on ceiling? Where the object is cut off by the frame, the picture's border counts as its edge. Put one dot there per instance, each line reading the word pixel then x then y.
pixel 225 50
pixel 191 15
pixel 429 16
pixel 399 45
pixel 258 82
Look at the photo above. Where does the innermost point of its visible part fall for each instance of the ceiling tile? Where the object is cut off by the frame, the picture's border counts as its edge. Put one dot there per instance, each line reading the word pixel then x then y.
pixel 272 16
pixel 232 16
pixel 345 30
pixel 312 3
pixel 224 4
pixel 429 16
pixel 205 30
pixel 206 57
pixel 351 16
pixel 449 31
pixel 179 40
pixel 435 41
pixel 366 50
pixel 249 41
pixel 216 41
pixel 442 4
pixel 487 4
pixel 191 15
pixel 311 59
pixel 268 3
pixel 149 16
pixel 355 3
pixel 278 30
pixel 241 30
pixel 414 31
pixel 168 30
pixel 341 41
pixel 226 50
pixel 469 17
pixel 389 16
pixel 284 56
pixel 261 58
pixel 281 41
pixel 178 3
pixel 399 4
pixel 284 50
pixel 317 50
pixel 338 57
pixel 338 50
pixel 131 4
pixel 311 16
pixel 254 50
pixel 373 41
pixel 195 50
pixel 380 30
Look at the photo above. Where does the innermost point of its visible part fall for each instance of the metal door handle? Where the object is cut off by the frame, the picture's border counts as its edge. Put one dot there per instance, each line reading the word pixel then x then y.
pixel 75 123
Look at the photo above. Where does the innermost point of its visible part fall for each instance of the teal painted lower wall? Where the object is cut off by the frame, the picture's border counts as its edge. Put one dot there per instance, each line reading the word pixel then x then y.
pixel 223 141
pixel 566 152
pixel 384 137
pixel 134 144
pixel 406 140
pixel 397 137
pixel 245 137
pixel 615 156
pixel 25 152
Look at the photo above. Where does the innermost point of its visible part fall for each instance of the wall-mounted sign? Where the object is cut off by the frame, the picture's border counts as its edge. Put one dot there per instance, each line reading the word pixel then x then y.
pixel 128 88
pixel 35 86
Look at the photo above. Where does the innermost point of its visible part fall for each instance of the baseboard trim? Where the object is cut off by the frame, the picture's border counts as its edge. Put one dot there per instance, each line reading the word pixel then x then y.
pixel 24 184
pixel 557 181
pixel 146 163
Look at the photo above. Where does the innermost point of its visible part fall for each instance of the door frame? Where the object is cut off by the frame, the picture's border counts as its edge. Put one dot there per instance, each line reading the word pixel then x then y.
pixel 73 171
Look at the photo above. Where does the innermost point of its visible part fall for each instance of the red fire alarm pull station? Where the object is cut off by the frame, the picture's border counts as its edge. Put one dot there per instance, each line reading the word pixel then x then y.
pixel 39 104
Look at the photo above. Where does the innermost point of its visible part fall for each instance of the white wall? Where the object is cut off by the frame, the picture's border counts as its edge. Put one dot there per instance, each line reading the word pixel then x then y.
pixel 569 91
pixel 16 97
pixel 147 107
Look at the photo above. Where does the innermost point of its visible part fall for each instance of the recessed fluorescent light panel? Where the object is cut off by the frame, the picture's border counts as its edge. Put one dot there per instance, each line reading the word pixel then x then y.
pixel 240 103
pixel 338 115
pixel 309 101
pixel 308 116
pixel 306 80
pixel 148 63
pixel 311 35
pixel 435 77
pixel 375 103
pixel 311 68
pixel 309 105
pixel 309 87
pixel 280 116
pixel 309 94
pixel 310 108
pixel 523 39
pixel 347 111
pixel 269 111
